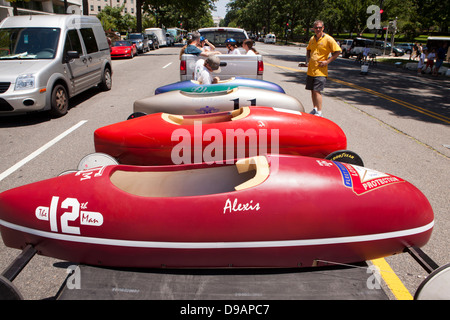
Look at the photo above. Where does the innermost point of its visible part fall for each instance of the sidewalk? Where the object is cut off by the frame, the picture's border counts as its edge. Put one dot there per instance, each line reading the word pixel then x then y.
pixel 407 65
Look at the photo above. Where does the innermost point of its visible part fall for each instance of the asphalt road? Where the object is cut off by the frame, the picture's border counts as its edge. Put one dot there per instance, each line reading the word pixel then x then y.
pixel 397 122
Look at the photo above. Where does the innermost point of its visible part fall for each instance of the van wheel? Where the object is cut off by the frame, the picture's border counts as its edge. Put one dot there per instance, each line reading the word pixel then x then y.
pixel 60 101
pixel 106 83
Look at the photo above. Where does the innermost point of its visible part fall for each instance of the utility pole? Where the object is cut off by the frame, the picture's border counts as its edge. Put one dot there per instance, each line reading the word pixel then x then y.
pixel 286 29
pixel 376 30
pixel 393 28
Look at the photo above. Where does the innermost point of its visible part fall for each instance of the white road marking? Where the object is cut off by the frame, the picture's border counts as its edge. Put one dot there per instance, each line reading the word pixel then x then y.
pixel 19 164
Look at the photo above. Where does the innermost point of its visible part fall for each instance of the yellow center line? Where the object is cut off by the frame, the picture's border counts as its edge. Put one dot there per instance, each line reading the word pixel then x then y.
pixel 379 94
pixel 390 278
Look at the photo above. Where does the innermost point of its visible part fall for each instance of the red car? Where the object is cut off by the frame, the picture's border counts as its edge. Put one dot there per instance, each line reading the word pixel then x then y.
pixel 123 49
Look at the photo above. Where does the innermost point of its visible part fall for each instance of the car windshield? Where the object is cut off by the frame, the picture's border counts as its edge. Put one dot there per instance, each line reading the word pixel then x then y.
pixel 121 44
pixel 218 37
pixel 362 42
pixel 28 43
pixel 135 36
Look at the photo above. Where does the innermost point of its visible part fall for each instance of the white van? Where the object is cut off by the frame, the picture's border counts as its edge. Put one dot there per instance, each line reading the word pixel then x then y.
pixel 160 33
pixel 47 59
pixel 270 38
pixel 346 46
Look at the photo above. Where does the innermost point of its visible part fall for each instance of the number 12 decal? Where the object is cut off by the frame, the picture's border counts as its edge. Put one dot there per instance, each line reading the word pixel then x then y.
pixel 85 217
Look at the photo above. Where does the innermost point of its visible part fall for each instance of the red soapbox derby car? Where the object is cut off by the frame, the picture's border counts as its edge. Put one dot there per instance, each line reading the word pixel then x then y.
pixel 162 138
pixel 265 211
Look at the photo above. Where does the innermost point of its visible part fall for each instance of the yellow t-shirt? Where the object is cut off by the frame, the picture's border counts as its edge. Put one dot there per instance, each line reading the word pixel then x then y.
pixel 320 50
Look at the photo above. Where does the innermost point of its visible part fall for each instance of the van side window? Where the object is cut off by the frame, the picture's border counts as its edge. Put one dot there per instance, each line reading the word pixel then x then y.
pixel 73 42
pixel 89 40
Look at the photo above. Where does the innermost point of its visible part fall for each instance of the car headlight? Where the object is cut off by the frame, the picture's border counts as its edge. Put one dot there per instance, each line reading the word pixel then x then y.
pixel 25 81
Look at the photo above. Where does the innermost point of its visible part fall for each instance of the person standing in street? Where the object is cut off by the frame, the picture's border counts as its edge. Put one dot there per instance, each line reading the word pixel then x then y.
pixel 320 46
pixel 440 57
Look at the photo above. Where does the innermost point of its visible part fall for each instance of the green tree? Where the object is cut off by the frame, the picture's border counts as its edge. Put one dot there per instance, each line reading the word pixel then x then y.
pixel 192 11
pixel 251 14
pixel 431 14
pixel 112 18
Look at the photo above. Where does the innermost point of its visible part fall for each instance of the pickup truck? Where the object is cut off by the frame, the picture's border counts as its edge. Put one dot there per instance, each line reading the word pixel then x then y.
pixel 232 65
pixel 243 65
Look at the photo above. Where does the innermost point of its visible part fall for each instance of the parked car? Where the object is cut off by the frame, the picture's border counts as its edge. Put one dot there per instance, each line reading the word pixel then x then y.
pixel 346 46
pixel 270 38
pixel 123 49
pixel 49 59
pixel 177 34
pixel 358 45
pixel 153 41
pixel 407 47
pixel 170 39
pixel 141 41
pixel 396 51
pixel 378 49
pixel 160 33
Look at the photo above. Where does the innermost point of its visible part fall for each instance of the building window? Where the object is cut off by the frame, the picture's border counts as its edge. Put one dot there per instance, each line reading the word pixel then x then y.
pixel 32 5
pixel 99 8
pixel 92 7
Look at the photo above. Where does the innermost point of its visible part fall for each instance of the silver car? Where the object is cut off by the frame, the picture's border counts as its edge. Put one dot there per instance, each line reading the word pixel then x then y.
pixel 141 41
pixel 407 47
pixel 47 59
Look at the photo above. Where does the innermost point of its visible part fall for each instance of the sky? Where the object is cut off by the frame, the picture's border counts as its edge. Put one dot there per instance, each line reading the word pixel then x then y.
pixel 221 8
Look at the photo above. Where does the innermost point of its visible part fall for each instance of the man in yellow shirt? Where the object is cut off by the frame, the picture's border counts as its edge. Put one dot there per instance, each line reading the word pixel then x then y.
pixel 317 57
